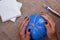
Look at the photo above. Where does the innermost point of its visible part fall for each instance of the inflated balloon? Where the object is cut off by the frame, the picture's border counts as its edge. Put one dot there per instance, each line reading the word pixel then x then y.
pixel 37 26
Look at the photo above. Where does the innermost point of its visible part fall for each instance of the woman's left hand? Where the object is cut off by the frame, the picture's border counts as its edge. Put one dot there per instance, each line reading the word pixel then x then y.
pixel 22 29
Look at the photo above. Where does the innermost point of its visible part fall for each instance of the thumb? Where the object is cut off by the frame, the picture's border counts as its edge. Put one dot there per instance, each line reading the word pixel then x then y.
pixel 47 25
pixel 28 35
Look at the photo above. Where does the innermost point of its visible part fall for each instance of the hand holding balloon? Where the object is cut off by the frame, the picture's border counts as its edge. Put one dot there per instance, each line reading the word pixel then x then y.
pixel 50 26
pixel 22 29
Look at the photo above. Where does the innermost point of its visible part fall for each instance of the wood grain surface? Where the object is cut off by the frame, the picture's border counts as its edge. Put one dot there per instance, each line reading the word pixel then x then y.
pixel 9 30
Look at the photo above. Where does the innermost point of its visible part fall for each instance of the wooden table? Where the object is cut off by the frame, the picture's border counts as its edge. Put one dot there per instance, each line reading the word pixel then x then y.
pixel 9 30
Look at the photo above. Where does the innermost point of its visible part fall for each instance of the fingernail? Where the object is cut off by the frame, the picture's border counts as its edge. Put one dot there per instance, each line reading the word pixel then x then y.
pixel 28 30
pixel 25 17
pixel 46 23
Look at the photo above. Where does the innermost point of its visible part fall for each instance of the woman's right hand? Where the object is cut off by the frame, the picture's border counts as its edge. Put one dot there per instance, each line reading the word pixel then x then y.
pixel 50 26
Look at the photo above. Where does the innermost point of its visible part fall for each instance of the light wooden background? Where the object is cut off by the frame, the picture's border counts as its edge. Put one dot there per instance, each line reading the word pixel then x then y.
pixel 9 30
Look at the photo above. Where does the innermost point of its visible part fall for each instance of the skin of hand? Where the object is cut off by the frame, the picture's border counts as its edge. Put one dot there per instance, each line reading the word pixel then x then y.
pixel 23 35
pixel 50 26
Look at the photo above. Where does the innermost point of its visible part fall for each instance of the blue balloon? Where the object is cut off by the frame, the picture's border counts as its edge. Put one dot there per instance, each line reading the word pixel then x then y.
pixel 37 26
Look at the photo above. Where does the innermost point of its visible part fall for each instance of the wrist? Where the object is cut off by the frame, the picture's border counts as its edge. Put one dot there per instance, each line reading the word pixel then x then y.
pixel 54 37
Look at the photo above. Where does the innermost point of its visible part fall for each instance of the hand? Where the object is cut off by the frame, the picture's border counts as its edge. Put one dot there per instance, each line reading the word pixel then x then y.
pixel 50 26
pixel 23 35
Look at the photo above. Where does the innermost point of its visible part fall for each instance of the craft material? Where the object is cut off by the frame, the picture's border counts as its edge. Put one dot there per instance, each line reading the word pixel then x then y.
pixel 37 26
pixel 19 6
pixel 9 10
pixel 50 9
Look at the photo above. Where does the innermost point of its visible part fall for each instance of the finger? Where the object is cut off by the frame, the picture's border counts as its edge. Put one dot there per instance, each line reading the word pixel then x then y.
pixel 24 26
pixel 22 37
pixel 23 23
pixel 47 26
pixel 47 16
pixel 21 30
pixel 50 20
pixel 28 35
